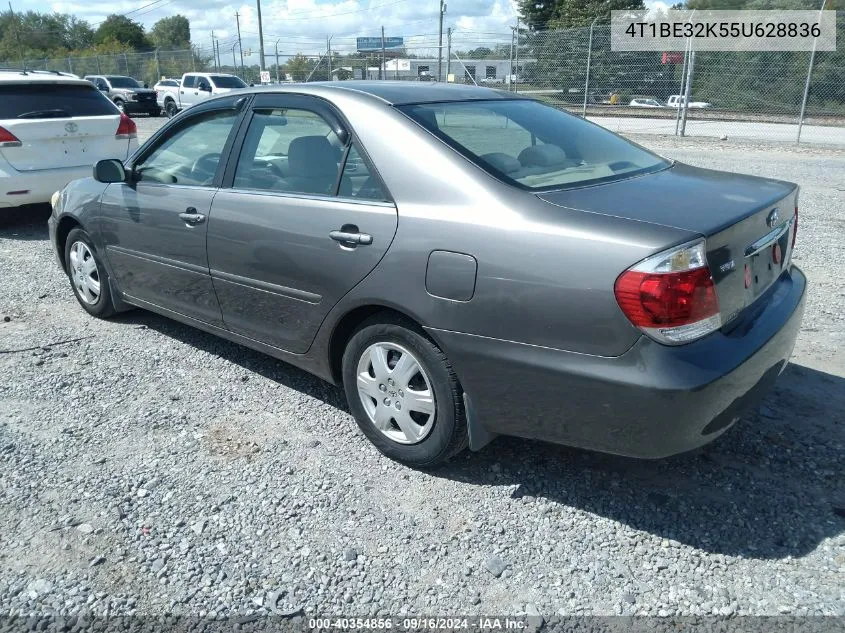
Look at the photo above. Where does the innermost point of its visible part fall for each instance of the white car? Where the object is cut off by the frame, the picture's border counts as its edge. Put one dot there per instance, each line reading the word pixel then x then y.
pixel 677 101
pixel 645 103
pixel 196 87
pixel 53 128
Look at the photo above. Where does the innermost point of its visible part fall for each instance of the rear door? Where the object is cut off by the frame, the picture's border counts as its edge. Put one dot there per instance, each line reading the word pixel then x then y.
pixel 59 124
pixel 288 235
pixel 188 91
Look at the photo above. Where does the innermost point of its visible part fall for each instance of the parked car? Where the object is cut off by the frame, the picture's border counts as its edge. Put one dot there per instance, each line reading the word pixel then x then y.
pixel 165 87
pixel 677 101
pixel 52 129
pixel 128 95
pixel 646 103
pixel 197 87
pixel 466 262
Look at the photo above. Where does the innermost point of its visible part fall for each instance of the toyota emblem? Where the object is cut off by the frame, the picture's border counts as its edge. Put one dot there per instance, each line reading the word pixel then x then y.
pixel 71 127
pixel 772 218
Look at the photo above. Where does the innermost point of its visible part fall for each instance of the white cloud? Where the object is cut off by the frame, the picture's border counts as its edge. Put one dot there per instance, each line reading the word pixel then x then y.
pixel 302 25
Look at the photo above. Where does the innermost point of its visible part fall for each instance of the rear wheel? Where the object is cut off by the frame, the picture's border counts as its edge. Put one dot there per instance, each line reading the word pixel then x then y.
pixel 170 109
pixel 88 276
pixel 403 393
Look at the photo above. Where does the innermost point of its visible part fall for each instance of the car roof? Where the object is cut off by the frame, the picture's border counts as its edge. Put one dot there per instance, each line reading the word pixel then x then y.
pixel 396 92
pixel 14 75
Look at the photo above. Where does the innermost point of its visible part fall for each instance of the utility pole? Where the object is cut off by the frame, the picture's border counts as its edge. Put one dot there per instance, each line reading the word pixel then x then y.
pixel 688 91
pixel 260 37
pixel 383 70
pixel 587 80
pixel 440 43
pixel 516 56
pixel 278 80
pixel 17 36
pixel 807 83
pixel 213 54
pixel 448 52
pixel 329 54
pixel 240 46
pixel 158 66
pixel 511 72
pixel 234 60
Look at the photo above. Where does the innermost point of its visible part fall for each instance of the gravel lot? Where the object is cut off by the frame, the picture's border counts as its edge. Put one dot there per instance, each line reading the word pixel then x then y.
pixel 147 467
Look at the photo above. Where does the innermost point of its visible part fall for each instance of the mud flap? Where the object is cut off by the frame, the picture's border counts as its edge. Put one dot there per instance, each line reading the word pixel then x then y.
pixel 479 437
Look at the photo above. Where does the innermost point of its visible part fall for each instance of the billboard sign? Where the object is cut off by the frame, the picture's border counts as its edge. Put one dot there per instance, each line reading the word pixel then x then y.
pixel 370 44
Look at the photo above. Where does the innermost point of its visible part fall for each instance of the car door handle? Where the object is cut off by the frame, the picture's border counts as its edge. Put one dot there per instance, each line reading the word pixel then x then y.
pixel 349 237
pixel 191 217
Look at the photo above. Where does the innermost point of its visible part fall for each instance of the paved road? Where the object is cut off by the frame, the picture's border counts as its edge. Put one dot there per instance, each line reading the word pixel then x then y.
pixel 778 132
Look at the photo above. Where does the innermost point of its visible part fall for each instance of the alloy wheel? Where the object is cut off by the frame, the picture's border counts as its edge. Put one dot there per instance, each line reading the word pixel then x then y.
pixel 396 393
pixel 84 273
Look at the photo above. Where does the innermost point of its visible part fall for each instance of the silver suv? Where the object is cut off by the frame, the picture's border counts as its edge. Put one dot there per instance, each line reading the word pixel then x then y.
pixel 129 95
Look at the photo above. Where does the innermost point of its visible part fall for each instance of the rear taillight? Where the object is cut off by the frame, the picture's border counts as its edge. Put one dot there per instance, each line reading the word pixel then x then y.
pixel 795 226
pixel 127 128
pixel 671 296
pixel 7 139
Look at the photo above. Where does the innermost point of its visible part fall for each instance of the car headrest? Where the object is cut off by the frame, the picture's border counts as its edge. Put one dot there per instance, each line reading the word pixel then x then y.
pixel 502 162
pixel 542 156
pixel 311 156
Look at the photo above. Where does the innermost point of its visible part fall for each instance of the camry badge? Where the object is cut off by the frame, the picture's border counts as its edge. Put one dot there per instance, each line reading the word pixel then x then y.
pixel 71 127
pixel 772 218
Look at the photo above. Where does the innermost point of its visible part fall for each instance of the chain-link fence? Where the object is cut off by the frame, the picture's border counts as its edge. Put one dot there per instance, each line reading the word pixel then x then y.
pixel 758 95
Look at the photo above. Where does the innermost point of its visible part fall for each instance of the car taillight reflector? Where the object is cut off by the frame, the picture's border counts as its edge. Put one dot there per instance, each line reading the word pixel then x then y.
pixel 127 128
pixel 795 226
pixel 671 296
pixel 7 139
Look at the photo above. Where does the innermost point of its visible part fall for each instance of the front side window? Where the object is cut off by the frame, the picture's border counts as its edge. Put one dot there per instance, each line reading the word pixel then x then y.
pixel 289 150
pixel 190 81
pixel 532 145
pixel 191 154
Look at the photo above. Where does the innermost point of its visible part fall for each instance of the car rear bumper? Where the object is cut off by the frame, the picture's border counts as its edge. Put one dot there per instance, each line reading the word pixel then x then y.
pixel 33 187
pixel 651 402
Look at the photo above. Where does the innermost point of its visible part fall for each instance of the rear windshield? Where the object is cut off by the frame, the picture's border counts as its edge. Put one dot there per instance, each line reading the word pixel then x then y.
pixel 532 145
pixel 123 82
pixel 50 101
pixel 221 81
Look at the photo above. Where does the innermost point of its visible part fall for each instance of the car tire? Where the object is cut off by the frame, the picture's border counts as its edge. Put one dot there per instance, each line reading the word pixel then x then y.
pixel 120 105
pixel 170 109
pixel 413 436
pixel 88 276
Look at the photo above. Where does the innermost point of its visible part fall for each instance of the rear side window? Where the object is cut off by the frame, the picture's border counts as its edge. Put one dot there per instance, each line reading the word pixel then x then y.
pixel 50 101
pixel 224 81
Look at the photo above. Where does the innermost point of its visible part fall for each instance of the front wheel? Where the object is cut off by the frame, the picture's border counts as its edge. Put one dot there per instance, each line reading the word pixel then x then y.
pixel 88 276
pixel 403 393
pixel 120 105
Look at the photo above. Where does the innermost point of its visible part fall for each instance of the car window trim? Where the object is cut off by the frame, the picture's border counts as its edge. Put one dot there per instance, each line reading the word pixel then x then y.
pixel 180 122
pixel 321 107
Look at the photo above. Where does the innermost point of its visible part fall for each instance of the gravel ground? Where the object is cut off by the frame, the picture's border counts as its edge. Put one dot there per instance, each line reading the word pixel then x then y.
pixel 146 467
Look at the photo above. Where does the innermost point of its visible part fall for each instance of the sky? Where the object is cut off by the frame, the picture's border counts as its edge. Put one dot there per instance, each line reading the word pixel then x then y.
pixel 302 24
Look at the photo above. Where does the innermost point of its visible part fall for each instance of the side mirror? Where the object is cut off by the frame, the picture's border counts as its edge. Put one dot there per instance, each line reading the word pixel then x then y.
pixel 109 170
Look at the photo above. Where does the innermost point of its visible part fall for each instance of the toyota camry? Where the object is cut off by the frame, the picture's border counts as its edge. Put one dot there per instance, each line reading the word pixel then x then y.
pixel 465 262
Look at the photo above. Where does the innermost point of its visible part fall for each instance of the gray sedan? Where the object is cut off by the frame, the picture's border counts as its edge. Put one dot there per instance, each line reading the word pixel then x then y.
pixel 465 262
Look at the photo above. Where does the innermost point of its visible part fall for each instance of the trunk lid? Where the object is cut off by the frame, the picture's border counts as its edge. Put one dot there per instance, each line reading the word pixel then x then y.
pixel 743 218
pixel 59 124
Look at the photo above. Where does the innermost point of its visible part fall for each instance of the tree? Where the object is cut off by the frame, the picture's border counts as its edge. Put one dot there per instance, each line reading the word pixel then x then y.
pixel 557 14
pixel 298 67
pixel 123 30
pixel 173 33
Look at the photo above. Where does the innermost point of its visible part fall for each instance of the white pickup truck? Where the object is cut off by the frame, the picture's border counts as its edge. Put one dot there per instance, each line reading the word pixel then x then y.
pixel 196 87
pixel 677 101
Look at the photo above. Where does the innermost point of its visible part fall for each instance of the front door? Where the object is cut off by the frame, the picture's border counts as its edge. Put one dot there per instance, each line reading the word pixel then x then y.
pixel 304 220
pixel 155 227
